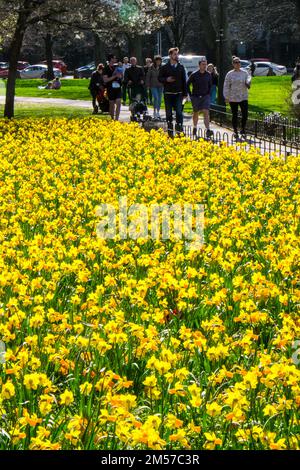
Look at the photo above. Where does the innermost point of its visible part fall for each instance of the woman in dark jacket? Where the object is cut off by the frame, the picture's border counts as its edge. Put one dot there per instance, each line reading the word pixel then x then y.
pixel 96 84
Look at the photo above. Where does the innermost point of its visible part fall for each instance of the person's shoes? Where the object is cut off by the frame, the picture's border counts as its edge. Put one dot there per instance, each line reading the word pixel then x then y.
pixel 243 135
pixel 179 129
pixel 96 109
pixel 170 130
pixel 155 115
pixel 209 134
pixel 158 116
pixel 236 135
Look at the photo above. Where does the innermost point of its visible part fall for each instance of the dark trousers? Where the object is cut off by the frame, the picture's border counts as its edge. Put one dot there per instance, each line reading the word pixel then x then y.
pixel 235 109
pixel 94 98
pixel 124 92
pixel 174 102
pixel 149 96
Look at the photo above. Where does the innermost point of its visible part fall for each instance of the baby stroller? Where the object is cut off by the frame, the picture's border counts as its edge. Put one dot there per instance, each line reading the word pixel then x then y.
pixel 138 109
pixel 102 100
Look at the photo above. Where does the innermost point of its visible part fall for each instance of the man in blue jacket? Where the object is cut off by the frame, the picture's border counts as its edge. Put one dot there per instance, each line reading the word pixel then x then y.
pixel 173 76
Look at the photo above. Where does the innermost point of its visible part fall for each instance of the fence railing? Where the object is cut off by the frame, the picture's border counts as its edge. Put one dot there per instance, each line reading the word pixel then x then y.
pixel 265 146
pixel 263 126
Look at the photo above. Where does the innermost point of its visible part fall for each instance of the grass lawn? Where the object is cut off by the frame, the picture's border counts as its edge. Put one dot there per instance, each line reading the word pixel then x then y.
pixel 71 89
pixel 49 111
pixel 267 94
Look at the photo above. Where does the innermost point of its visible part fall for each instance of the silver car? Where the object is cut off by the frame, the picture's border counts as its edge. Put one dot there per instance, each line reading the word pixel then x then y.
pixel 38 71
pixel 268 68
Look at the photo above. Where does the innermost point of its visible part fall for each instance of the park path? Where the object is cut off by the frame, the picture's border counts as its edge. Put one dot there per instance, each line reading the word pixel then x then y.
pixel 124 116
pixel 221 133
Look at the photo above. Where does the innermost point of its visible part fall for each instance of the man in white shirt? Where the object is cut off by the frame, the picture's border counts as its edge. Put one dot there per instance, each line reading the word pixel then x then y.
pixel 236 86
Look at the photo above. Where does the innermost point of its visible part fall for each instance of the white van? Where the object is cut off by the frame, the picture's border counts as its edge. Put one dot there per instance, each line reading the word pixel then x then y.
pixel 190 62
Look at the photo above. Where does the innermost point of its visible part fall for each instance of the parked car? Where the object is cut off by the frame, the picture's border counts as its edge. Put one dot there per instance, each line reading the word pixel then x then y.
pixel 58 64
pixel 4 66
pixel 3 72
pixel 22 65
pixel 38 71
pixel 245 63
pixel 260 60
pixel 85 71
pixel 190 62
pixel 265 68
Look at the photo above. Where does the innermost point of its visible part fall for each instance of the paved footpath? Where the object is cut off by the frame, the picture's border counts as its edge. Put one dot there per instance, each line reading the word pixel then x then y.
pixel 124 116
pixel 264 146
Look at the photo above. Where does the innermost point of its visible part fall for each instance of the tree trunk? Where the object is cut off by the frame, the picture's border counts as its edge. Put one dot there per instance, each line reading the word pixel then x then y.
pixel 224 49
pixel 178 37
pixel 117 50
pixel 99 51
pixel 49 55
pixel 14 55
pixel 209 33
pixel 298 10
pixel 170 35
pixel 135 45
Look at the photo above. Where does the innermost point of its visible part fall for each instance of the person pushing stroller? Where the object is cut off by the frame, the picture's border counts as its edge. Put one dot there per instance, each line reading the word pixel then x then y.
pixel 134 79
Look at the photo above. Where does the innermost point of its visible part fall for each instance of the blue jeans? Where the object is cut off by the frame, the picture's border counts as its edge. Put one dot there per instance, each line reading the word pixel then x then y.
pixel 157 96
pixel 174 101
pixel 213 94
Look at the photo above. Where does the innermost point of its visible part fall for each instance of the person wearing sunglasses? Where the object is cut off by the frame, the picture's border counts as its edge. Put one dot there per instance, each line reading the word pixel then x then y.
pixel 236 91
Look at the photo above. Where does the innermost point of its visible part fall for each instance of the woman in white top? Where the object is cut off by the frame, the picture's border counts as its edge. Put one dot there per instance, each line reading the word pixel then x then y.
pixel 236 86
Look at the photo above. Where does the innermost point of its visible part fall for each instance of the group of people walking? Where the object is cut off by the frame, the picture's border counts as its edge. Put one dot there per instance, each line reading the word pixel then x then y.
pixel 127 78
pixel 170 80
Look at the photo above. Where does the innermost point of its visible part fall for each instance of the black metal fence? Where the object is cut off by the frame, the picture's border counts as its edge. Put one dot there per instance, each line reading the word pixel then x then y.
pixel 262 126
pixel 266 146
